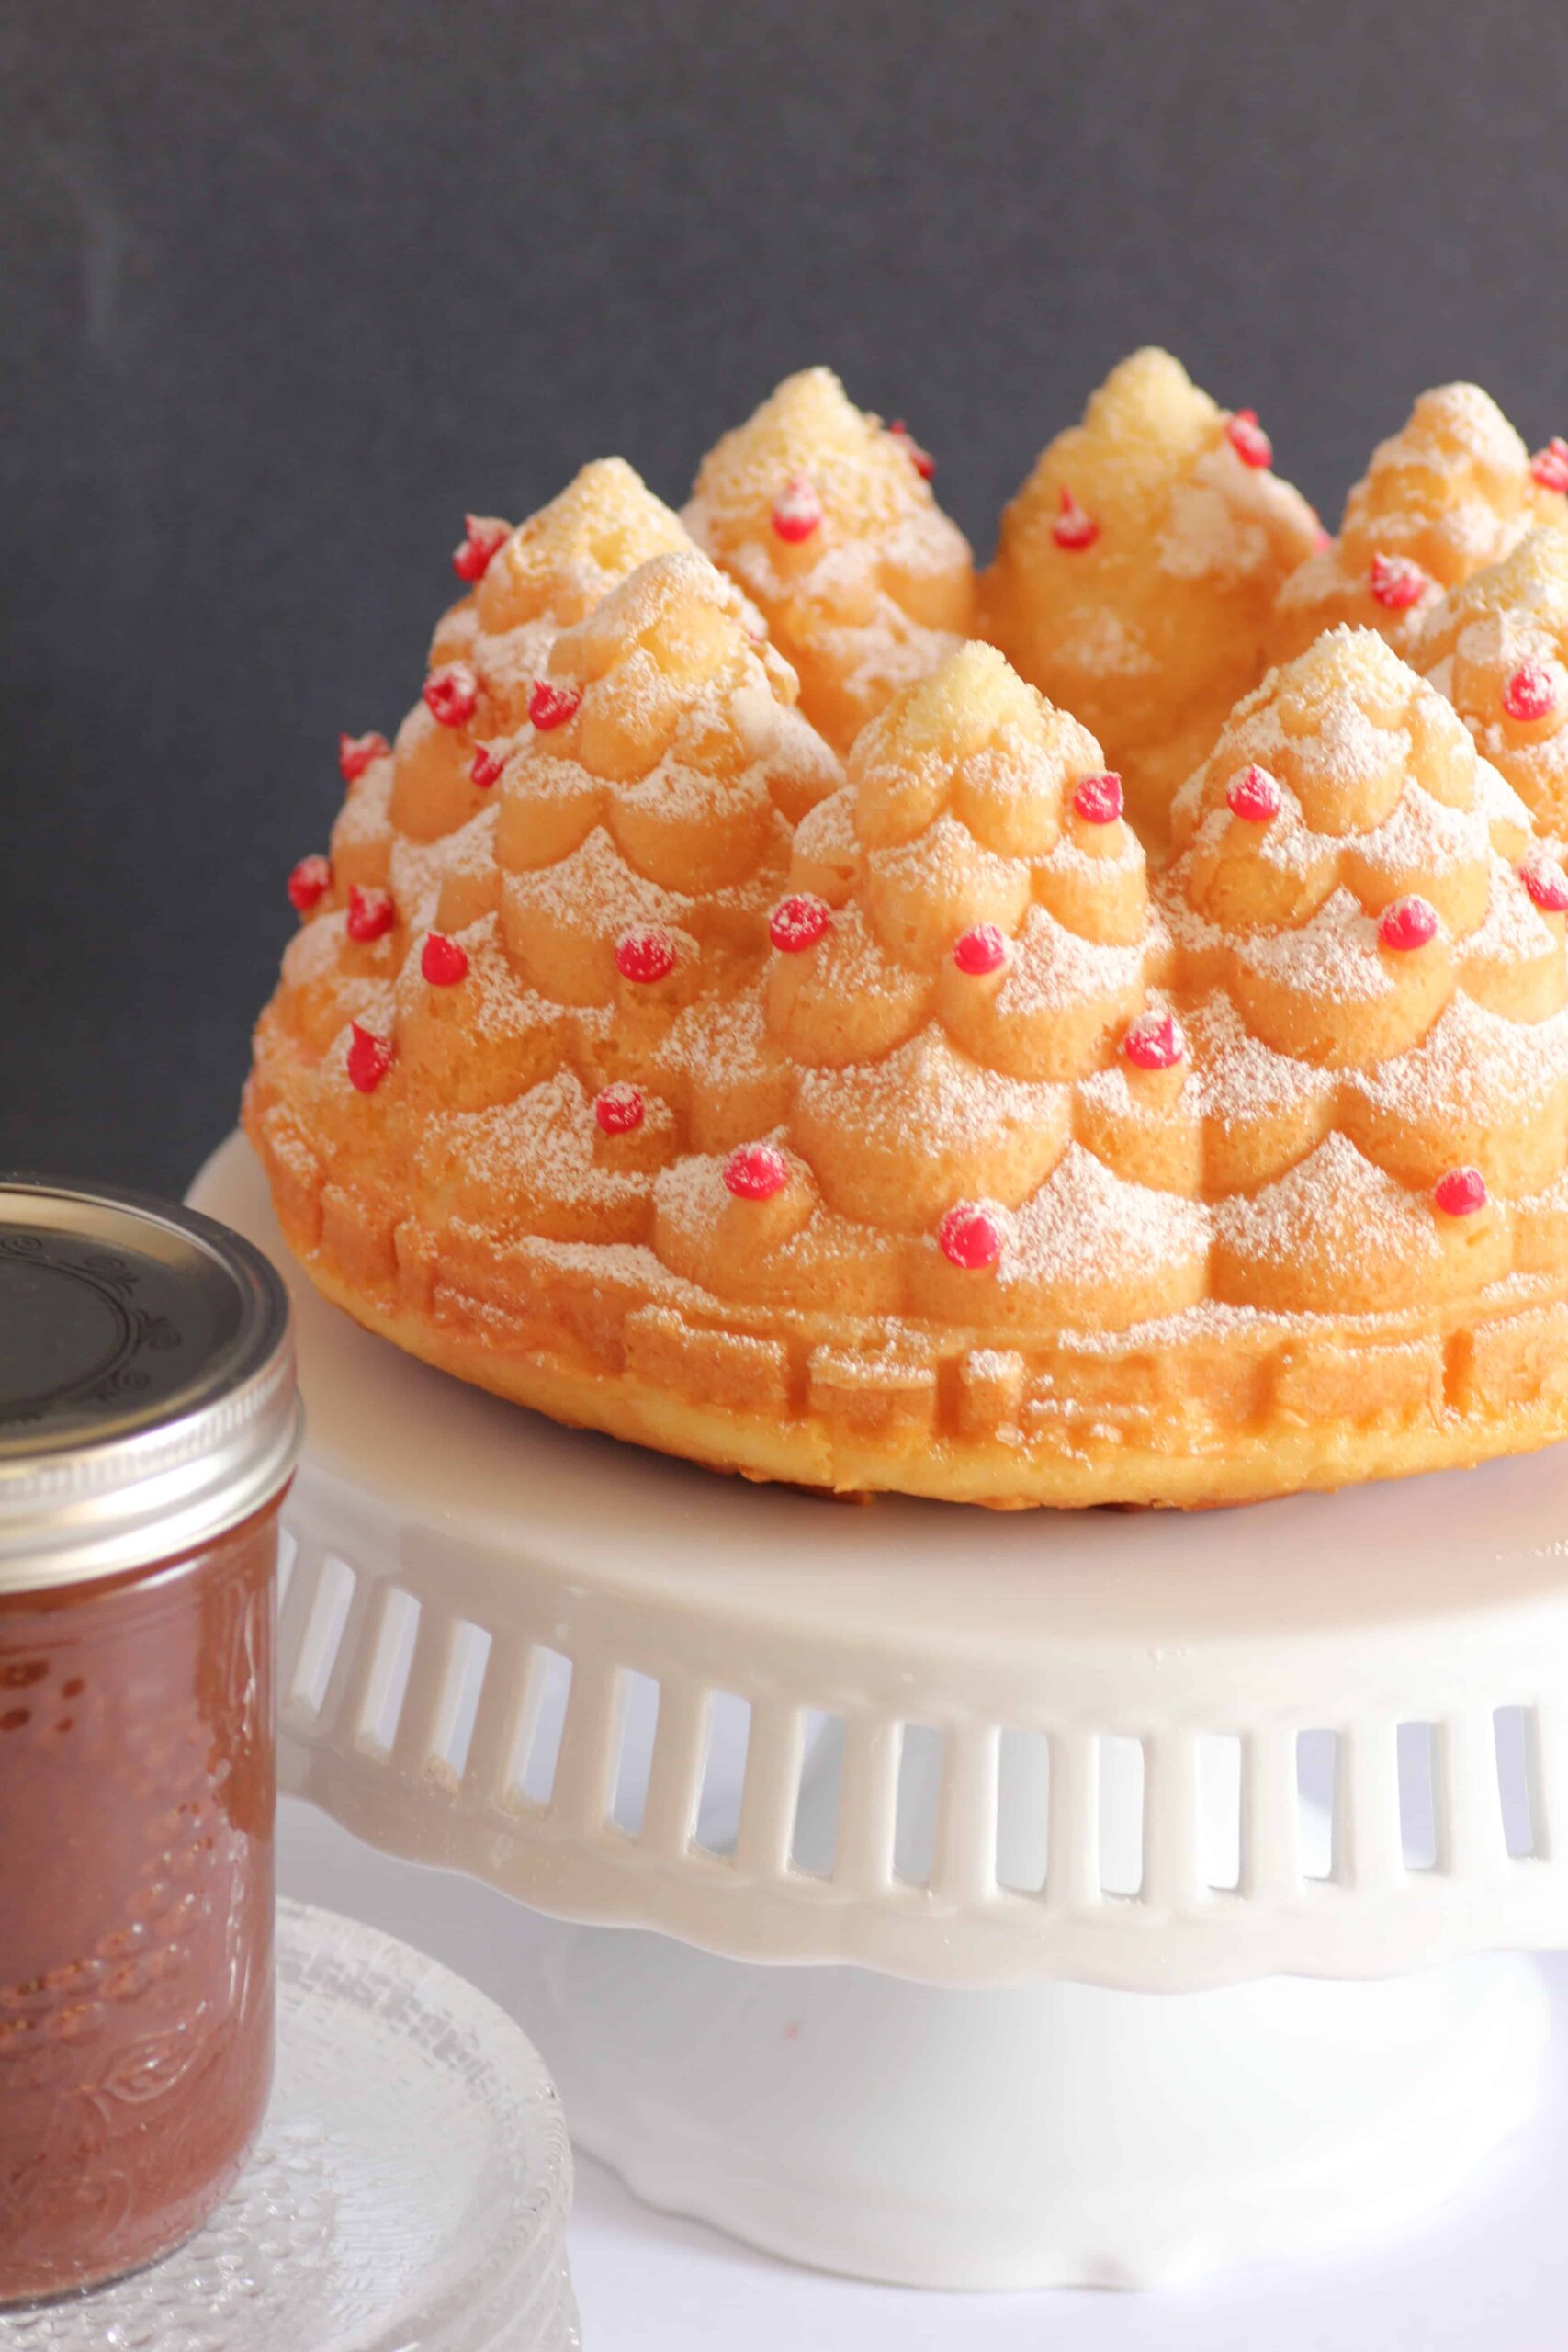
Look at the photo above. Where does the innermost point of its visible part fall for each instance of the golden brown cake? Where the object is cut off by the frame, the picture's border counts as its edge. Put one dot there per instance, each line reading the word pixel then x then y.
pixel 887 1123
pixel 1137 569
pixel 828 523
pixel 1498 648
pixel 1450 492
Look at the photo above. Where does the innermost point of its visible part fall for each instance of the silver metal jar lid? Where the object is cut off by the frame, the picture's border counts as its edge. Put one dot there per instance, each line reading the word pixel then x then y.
pixel 146 1395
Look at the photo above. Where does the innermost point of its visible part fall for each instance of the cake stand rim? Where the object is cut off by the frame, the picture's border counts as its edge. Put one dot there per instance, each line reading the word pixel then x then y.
pixel 1380 1564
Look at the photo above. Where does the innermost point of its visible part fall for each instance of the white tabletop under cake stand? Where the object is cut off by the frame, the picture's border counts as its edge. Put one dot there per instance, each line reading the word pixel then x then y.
pixel 1004 1781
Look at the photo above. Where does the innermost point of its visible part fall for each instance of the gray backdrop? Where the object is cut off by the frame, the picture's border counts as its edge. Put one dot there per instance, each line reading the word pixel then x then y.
pixel 290 283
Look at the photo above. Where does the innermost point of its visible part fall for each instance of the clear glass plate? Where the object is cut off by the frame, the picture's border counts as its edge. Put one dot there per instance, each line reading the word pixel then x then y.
pixel 409 2192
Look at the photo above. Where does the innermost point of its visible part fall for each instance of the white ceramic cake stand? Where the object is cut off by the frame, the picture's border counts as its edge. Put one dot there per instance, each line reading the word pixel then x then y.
pixel 1008 1780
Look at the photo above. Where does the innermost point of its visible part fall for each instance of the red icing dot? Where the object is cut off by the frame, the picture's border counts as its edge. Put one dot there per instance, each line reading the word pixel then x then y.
pixel 1074 527
pixel 354 753
pixel 369 1058
pixel 484 537
pixel 645 955
pixel 484 768
pixel 980 951
pixel 1154 1043
pixel 1549 467
pixel 755 1171
pixel 619 1109
pixel 1397 582
pixel 797 511
pixel 1529 694
pixel 1253 794
pixel 451 694
pixel 968 1236
pixel 1248 440
pixel 1547 884
pixel 443 962
pixel 550 705
pixel 799 923
pixel 921 459
pixel 370 914
pixel 1322 538
pixel 1098 798
pixel 310 879
pixel 1460 1193
pixel 1407 924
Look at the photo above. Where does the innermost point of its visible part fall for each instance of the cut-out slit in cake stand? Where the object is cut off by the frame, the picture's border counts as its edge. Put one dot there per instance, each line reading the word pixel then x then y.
pixel 1005 1780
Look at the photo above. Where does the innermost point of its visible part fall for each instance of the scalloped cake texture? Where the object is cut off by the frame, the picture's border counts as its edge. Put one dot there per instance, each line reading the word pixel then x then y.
pixel 741 1012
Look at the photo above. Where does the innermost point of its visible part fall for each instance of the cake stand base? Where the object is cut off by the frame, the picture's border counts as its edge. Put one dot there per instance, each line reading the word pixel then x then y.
pixel 1046 2135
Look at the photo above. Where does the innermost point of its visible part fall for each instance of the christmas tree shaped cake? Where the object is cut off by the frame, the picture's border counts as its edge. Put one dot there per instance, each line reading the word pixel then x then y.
pixel 1498 648
pixel 968 945
pixel 413 849
pixel 829 524
pixel 1137 570
pixel 426 806
pixel 489 649
pixel 1450 492
pixel 481 1034
pixel 1380 982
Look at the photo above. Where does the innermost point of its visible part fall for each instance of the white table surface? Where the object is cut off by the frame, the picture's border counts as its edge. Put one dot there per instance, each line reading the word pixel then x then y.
pixel 1488 2275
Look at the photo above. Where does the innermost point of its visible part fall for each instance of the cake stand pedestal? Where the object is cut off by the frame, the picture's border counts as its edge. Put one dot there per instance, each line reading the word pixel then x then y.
pixel 994 1785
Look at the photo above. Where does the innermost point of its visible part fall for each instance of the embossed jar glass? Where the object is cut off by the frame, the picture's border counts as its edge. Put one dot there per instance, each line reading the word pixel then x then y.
pixel 148 1428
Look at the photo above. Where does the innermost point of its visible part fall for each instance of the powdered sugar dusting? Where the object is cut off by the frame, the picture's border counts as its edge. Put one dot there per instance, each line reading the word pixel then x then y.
pixel 777 736
pixel 826 835
pixel 878 657
pixel 1086 1225
pixel 316 951
pixel 1333 955
pixel 1095 640
pixel 419 868
pixel 1355 1214
pixel 1514 931
pixel 1055 967
pixel 537 1150
pixel 1215 525
pixel 510 661
pixel 1347 750
pixel 594 886
pixel 1068 858
pixel 1426 836
pixel 1453 428
pixel 925 1097
pixel 690 1195
pixel 366 815
pixel 1470 1063
pixel 943 863
pixel 1238 1075
pixel 415 881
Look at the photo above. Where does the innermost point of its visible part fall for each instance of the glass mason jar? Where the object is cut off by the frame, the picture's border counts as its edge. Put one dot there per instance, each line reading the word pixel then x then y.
pixel 149 1426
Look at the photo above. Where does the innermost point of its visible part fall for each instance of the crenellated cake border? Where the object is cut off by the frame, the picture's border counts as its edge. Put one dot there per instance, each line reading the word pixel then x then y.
pixel 1215 1405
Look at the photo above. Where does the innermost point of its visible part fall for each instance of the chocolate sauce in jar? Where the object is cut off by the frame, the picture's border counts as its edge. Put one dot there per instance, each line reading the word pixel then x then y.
pixel 148 1427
